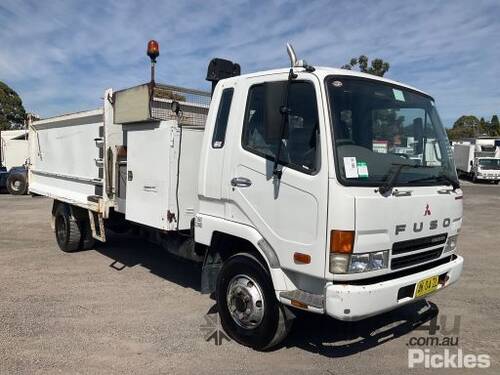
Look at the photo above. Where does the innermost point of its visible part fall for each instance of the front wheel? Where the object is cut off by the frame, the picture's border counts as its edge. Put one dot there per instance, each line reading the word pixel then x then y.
pixel 496 182
pixel 248 308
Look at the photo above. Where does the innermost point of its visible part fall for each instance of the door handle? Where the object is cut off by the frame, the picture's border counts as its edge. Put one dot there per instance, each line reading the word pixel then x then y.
pixel 241 182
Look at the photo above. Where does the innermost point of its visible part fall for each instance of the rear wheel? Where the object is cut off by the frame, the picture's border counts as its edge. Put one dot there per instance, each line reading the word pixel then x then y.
pixel 496 182
pixel 68 233
pixel 248 308
pixel 17 184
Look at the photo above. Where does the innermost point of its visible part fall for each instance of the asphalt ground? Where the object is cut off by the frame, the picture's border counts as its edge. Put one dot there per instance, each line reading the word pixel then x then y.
pixel 127 307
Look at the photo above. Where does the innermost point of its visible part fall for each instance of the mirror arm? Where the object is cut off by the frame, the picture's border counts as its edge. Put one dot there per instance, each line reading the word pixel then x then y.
pixel 285 111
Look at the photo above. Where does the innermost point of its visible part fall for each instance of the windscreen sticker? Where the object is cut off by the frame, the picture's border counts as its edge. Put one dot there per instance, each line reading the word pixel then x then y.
pixel 362 169
pixel 351 167
pixel 398 95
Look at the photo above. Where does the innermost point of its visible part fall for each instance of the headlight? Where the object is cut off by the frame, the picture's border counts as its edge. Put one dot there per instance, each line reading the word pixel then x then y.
pixel 355 263
pixel 379 260
pixel 359 263
pixel 451 243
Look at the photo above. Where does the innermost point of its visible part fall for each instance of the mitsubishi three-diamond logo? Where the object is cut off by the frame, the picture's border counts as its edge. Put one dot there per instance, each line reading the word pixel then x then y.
pixel 212 329
pixel 427 210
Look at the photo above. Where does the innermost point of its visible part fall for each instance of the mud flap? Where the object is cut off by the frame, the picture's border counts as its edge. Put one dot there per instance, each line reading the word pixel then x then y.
pixel 98 231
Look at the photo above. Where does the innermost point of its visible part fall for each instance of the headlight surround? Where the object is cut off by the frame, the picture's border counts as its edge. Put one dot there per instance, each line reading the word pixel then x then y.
pixel 356 263
pixel 451 243
pixel 339 263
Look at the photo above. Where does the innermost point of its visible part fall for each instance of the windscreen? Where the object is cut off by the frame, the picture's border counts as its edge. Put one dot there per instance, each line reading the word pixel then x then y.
pixel 489 163
pixel 379 127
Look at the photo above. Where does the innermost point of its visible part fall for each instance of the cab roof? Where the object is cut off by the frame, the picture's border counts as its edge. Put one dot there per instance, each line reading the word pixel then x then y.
pixel 322 72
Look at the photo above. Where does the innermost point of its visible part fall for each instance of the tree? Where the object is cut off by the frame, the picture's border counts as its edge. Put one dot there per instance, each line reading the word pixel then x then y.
pixel 494 125
pixel 377 67
pixel 472 127
pixel 12 113
pixel 464 127
pixel 483 127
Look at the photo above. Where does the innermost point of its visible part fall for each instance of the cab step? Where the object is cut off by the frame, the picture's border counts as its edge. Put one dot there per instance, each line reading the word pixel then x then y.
pixel 304 300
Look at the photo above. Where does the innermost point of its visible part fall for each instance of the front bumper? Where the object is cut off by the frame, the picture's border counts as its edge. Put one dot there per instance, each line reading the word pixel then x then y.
pixel 488 177
pixel 356 302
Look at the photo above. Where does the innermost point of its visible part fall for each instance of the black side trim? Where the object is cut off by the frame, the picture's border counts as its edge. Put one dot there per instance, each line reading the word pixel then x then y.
pixel 395 275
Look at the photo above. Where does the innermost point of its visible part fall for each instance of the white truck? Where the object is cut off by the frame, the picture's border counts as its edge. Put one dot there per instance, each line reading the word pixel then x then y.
pixel 271 183
pixel 478 159
pixel 14 156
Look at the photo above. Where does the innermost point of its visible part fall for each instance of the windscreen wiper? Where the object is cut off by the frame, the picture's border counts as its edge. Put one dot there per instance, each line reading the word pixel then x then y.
pixel 392 178
pixel 443 177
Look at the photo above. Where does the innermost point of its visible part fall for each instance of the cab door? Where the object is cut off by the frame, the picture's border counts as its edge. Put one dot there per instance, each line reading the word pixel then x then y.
pixel 289 212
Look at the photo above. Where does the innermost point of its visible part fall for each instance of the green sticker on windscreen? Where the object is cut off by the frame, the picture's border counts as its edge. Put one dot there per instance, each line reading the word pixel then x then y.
pixel 398 95
pixel 362 169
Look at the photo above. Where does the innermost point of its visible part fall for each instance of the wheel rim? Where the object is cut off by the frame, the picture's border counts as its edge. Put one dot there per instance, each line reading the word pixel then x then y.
pixel 16 185
pixel 60 229
pixel 245 301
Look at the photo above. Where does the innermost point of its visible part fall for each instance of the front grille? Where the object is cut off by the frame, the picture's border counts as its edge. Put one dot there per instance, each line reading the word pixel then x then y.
pixel 410 260
pixel 418 244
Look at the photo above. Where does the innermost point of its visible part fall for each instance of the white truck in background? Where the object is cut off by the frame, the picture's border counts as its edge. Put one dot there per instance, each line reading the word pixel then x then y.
pixel 272 183
pixel 478 159
pixel 14 156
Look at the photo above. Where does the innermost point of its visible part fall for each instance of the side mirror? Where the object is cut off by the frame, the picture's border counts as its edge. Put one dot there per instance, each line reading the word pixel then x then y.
pixel 220 69
pixel 274 101
pixel 471 163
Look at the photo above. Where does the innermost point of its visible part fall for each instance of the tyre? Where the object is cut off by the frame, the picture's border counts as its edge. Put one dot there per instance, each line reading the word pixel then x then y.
pixel 249 311
pixel 17 184
pixel 496 182
pixel 68 233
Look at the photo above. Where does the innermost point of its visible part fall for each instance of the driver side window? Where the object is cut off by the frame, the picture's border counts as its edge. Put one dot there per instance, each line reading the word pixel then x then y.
pixel 300 143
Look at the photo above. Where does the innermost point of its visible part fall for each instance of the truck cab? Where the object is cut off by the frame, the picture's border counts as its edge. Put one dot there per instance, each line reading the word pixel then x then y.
pixel 359 218
pixel 487 168
pixel 478 159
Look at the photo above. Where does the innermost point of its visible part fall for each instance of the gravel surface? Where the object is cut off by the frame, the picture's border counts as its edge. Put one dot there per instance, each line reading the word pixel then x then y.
pixel 127 307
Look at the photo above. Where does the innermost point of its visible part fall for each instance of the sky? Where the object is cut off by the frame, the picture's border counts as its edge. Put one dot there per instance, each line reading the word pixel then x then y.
pixel 60 56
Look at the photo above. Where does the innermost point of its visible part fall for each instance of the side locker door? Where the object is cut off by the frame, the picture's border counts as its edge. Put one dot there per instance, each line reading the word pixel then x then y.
pixel 291 212
pixel 148 174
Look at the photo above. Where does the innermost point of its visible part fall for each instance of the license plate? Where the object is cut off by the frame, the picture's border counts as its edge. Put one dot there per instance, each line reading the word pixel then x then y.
pixel 426 286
